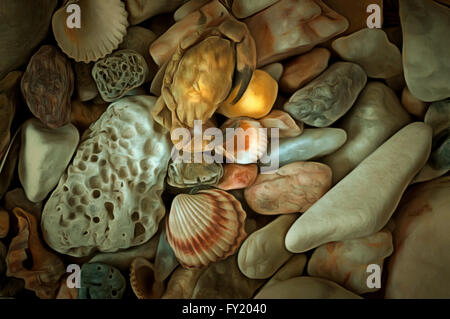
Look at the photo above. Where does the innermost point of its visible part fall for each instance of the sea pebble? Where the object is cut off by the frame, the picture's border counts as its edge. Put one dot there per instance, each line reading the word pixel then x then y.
pixel 84 83
pixel 86 113
pixel 141 10
pixel 419 266
pixel 346 262
pixel 275 70
pixel 44 156
pixel 4 223
pixel 413 105
pixel 17 198
pixel 292 268
pixel 188 7
pixel 425 25
pixel 306 23
pixel 182 283
pixel 438 117
pixel 363 202
pixel 245 8
pixel 211 283
pixel 116 178
pixel 293 188
pixel 328 97
pixel 304 68
pixel 311 144
pixel 263 252
pixel 305 288
pixel 376 116
pixel 371 49
pixel 286 125
pixel 237 176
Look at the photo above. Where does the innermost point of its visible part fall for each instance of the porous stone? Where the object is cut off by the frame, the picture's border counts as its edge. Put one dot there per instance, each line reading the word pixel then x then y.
pixel 312 143
pixel 110 196
pixel 346 262
pixel 306 23
pixel 427 70
pixel 304 68
pixel 363 202
pixel 413 105
pixel 47 86
pixel 371 49
pixel 184 175
pixel 419 265
pixel 9 97
pixel 305 288
pixel 328 97
pixel 376 116
pixel 101 281
pixel 245 8
pixel 119 73
pixel 45 154
pixel 263 252
pixel 293 188
pixel 237 176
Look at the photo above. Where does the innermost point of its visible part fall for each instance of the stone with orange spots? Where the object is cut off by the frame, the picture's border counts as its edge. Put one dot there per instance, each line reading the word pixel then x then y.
pixel 293 188
pixel 236 176
pixel 306 23
pixel 419 265
pixel 304 68
pixel 346 262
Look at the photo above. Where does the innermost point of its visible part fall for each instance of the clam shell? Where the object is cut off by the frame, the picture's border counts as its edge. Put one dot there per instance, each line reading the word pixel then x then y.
pixel 142 279
pixel 205 227
pixel 103 27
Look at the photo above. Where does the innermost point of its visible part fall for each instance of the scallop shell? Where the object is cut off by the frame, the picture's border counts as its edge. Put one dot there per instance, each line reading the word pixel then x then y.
pixel 254 146
pixel 142 279
pixel 103 27
pixel 205 227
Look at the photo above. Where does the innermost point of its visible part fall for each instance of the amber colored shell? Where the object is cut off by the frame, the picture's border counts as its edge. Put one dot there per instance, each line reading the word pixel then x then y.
pixel 205 227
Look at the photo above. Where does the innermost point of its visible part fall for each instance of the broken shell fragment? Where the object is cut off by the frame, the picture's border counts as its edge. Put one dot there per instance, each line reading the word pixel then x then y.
pixel 119 73
pixel 103 27
pixel 183 175
pixel 205 227
pixel 142 280
pixel 27 249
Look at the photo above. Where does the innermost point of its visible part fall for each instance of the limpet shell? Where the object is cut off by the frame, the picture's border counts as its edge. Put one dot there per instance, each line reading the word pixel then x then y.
pixel 205 227
pixel 103 27
pixel 142 279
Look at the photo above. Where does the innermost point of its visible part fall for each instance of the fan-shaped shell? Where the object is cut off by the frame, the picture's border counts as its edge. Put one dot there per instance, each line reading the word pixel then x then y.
pixel 142 279
pixel 205 227
pixel 103 27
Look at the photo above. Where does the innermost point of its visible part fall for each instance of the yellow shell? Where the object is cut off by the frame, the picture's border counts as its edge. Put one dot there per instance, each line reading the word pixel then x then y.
pixel 257 100
pixel 205 227
pixel 103 27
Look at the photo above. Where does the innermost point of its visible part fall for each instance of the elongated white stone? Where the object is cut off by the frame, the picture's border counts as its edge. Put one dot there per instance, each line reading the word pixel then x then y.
pixel 362 203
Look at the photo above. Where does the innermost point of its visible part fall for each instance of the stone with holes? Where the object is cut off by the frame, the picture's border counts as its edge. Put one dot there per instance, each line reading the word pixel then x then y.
pixel 101 281
pixel 119 73
pixel 110 196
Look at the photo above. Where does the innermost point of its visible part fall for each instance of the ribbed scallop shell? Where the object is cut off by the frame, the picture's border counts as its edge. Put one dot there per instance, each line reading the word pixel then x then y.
pixel 142 280
pixel 255 141
pixel 103 27
pixel 205 227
